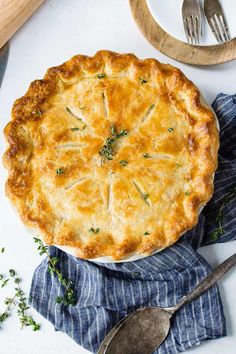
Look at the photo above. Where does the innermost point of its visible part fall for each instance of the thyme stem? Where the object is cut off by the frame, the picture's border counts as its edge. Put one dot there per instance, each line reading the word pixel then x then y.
pixel 69 295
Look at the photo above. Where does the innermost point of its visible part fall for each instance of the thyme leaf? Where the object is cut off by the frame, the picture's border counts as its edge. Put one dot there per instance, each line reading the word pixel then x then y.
pixel 113 130
pixel 145 196
pixel 146 233
pixel 142 81
pixel 170 130
pixel 94 231
pixel 123 163
pixel 38 113
pixel 121 133
pixel 73 114
pixel 4 282
pixel 136 274
pixel 146 155
pixel 60 171
pixel 101 76
pixel 69 111
pixel 151 107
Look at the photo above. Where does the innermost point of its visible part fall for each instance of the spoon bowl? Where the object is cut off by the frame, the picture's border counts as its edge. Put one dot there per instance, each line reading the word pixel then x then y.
pixel 153 321
pixel 142 331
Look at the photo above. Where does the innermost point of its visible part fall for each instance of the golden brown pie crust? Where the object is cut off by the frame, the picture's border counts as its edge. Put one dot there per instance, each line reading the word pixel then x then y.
pixel 160 174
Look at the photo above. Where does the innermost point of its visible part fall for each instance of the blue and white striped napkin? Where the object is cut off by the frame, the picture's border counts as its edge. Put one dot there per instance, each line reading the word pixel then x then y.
pixel 107 292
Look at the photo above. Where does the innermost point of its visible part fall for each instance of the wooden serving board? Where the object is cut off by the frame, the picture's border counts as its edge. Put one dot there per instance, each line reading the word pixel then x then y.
pixel 13 13
pixel 176 49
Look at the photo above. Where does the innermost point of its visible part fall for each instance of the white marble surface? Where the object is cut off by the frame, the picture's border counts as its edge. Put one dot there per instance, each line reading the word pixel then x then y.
pixel 60 29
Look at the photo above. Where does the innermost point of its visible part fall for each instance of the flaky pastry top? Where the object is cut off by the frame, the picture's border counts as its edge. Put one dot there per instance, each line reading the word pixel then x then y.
pixel 111 155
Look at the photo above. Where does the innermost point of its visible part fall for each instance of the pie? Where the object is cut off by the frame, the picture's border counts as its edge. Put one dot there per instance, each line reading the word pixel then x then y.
pixel 111 155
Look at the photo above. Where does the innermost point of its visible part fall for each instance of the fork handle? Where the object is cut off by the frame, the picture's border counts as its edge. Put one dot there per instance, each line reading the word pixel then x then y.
pixel 13 14
pixel 207 283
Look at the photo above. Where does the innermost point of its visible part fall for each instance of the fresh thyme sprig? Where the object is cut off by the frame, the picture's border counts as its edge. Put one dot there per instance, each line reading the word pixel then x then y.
pixel 108 149
pixel 69 295
pixel 18 300
pixel 219 218
pixel 22 306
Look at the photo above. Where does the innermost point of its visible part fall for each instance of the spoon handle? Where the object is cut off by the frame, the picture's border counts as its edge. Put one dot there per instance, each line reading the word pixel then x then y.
pixel 207 283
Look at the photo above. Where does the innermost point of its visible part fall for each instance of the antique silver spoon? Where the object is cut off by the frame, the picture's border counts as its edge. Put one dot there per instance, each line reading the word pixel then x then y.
pixel 142 331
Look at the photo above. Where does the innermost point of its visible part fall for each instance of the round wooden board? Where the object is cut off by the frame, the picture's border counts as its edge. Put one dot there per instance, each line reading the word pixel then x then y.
pixel 178 50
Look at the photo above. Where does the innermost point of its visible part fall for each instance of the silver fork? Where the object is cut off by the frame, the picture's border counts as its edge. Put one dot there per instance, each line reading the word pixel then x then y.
pixel 217 21
pixel 192 20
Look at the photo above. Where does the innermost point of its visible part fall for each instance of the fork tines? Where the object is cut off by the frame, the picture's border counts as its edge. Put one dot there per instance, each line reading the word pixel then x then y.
pixel 191 13
pixel 217 21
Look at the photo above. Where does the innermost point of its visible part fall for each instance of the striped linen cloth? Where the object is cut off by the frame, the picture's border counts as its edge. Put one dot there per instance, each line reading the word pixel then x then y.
pixel 107 292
